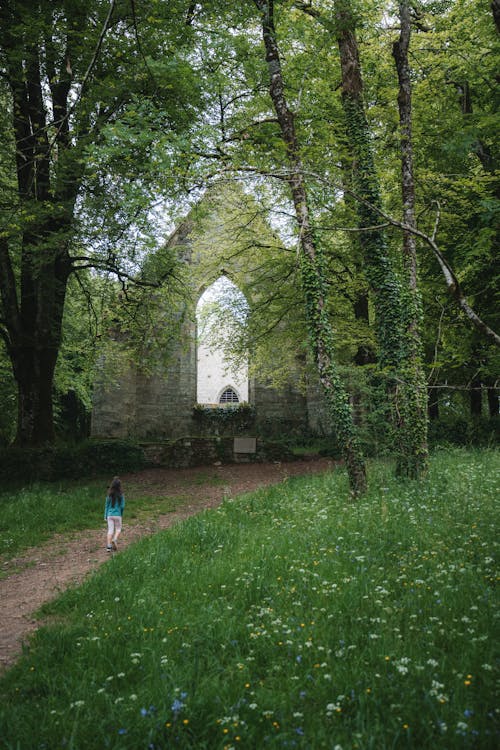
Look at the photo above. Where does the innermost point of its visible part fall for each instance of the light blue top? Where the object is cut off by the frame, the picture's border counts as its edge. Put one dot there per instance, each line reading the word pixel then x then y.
pixel 116 510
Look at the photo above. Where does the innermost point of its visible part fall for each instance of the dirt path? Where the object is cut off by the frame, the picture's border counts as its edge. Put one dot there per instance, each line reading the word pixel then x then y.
pixel 47 570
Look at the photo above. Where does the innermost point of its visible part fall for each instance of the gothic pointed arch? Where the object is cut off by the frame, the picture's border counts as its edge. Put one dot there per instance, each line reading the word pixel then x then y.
pixel 221 307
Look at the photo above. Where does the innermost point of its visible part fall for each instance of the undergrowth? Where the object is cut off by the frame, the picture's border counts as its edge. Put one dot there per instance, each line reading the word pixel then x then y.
pixel 288 618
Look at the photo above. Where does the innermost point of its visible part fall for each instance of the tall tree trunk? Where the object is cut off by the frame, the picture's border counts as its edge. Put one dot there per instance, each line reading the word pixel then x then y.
pixel 32 299
pixel 313 274
pixel 34 336
pixel 493 398
pixel 34 373
pixel 397 310
pixel 378 265
pixel 365 354
pixel 476 398
pixel 412 460
pixel 432 404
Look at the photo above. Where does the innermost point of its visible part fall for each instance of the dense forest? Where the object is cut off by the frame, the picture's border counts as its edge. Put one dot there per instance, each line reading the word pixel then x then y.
pixel 365 133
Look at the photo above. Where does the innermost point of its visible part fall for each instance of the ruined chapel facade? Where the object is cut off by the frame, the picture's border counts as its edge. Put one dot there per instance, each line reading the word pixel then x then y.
pixel 160 406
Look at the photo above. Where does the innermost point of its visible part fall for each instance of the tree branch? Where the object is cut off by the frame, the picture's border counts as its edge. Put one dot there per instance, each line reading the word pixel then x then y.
pixel 452 283
pixel 110 267
pixel 87 74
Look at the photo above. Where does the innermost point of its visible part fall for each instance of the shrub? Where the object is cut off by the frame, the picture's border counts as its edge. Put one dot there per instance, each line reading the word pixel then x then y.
pixel 224 420
pixel 459 430
pixel 275 450
pixel 109 456
pixel 91 458
pixel 316 446
pixel 26 464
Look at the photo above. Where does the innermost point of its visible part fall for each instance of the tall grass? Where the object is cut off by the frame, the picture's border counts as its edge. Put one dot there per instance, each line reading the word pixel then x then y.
pixel 33 514
pixel 289 618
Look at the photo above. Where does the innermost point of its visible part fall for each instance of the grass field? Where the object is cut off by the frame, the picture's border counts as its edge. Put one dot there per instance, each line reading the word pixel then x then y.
pixel 33 514
pixel 288 618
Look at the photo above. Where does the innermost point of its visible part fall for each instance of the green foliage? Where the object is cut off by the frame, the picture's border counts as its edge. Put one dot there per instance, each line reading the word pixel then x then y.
pixel 8 407
pixel 236 419
pixel 287 617
pixel 462 431
pixel 51 509
pixel 71 460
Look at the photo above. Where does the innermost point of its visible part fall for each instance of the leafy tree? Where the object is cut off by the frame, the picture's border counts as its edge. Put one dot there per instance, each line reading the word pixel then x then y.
pixel 73 73
pixel 313 274
pixel 396 305
pixel 455 136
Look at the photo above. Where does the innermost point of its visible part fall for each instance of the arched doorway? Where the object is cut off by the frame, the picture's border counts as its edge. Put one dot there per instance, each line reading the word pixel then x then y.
pixel 220 312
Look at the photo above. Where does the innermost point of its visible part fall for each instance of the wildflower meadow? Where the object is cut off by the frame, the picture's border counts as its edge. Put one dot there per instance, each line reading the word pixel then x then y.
pixel 293 617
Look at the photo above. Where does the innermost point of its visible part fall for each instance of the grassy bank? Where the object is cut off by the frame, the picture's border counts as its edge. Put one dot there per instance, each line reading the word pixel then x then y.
pixel 287 618
pixel 33 514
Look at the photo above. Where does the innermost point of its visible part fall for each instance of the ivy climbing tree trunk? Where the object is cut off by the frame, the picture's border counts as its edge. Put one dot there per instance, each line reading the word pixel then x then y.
pixel 313 276
pixel 412 417
pixel 379 267
pixel 390 299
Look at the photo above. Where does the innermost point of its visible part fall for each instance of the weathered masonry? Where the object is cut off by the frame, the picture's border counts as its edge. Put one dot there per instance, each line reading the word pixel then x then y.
pixel 161 406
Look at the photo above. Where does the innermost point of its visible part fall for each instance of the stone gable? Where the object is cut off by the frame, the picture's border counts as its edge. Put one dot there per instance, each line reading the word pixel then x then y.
pixel 159 406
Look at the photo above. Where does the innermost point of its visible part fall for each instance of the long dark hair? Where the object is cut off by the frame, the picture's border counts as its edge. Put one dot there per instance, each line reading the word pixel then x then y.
pixel 115 491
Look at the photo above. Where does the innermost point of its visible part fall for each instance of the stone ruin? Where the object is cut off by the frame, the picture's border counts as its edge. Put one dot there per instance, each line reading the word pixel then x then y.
pixel 158 410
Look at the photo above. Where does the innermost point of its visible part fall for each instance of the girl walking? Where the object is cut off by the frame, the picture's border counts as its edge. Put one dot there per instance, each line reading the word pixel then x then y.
pixel 113 512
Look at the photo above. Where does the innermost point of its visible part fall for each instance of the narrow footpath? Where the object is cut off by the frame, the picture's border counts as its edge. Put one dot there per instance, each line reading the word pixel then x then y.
pixel 41 573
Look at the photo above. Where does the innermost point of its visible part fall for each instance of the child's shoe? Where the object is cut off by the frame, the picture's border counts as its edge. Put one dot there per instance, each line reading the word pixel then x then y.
pixel 109 548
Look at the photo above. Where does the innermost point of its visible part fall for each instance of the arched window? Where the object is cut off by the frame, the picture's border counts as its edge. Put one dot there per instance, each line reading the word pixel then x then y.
pixel 229 396
pixel 221 308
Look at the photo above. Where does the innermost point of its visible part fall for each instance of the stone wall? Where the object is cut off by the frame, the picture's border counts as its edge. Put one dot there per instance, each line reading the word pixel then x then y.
pixel 114 404
pixel 159 406
pixel 149 407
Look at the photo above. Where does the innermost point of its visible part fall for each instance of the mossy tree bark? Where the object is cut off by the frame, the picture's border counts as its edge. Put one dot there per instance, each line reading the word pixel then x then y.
pixel 412 417
pixel 392 299
pixel 313 274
